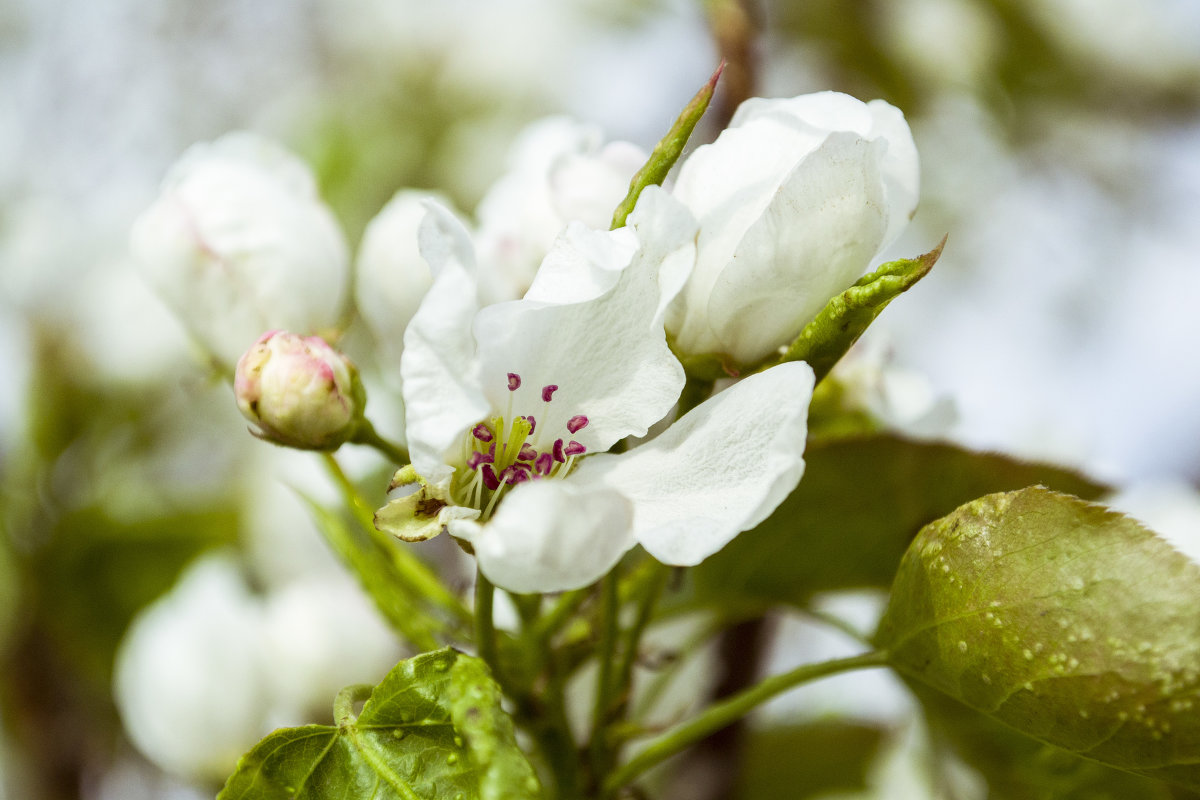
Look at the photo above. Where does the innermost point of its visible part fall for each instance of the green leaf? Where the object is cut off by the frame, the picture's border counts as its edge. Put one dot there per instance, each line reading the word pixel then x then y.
pixel 432 729
pixel 832 332
pixel 476 711
pixel 668 149
pixel 1067 621
pixel 1019 768
pixel 858 506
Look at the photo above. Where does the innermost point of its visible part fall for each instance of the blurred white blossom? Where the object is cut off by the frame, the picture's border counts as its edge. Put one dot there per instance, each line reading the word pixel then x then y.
pixel 559 171
pixel 211 667
pixel 239 243
pixel 900 398
pixel 391 274
pixel 190 677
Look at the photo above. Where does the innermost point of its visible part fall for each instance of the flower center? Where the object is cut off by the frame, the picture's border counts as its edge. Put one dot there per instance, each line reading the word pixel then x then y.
pixel 499 453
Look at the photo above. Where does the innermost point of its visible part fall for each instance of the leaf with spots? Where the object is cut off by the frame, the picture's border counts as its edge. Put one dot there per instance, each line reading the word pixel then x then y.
pixel 1067 621
pixel 433 729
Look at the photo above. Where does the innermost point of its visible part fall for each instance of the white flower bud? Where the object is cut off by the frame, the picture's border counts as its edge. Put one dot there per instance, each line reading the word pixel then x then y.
pixel 299 391
pixel 794 200
pixel 239 242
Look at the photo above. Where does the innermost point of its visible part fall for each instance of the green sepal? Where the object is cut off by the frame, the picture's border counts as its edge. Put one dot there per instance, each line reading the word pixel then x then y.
pixel 433 729
pixel 668 149
pixel 832 332
pixel 1067 621
pixel 414 517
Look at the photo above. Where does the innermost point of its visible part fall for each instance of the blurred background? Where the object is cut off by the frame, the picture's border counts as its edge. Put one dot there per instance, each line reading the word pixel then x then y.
pixel 1060 146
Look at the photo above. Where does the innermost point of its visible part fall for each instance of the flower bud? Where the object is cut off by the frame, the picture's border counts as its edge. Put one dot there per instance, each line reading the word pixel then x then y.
pixel 299 391
pixel 794 200
pixel 238 242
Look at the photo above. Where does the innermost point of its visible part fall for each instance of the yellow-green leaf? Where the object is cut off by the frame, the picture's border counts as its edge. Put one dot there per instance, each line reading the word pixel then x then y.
pixel 1071 623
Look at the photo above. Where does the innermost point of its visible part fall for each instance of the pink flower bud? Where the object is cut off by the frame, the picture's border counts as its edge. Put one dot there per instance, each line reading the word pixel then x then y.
pixel 299 391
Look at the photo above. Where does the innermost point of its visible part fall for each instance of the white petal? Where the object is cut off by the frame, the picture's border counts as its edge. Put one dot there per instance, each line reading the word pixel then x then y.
pixel 719 470
pixel 901 167
pixel 582 265
pixel 442 397
pixel 876 120
pixel 550 535
pixel 588 186
pixel 817 236
pixel 518 220
pixel 826 111
pixel 607 355
pixel 392 276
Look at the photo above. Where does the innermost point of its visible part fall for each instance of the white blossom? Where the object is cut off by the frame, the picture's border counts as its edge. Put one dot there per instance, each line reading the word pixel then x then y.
pixel 239 243
pixel 519 401
pixel 559 171
pixel 794 200
pixel 189 681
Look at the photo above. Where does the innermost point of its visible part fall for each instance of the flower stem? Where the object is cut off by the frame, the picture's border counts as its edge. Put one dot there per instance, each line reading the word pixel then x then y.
pixel 367 435
pixel 485 626
pixel 721 714
pixel 417 577
pixel 605 655
pixel 560 614
pixel 650 590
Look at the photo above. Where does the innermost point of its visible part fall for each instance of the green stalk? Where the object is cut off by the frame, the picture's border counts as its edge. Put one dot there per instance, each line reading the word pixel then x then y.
pixel 562 612
pixel 651 590
pixel 343 704
pixel 485 626
pixel 605 654
pixel 418 578
pixel 367 435
pixel 717 716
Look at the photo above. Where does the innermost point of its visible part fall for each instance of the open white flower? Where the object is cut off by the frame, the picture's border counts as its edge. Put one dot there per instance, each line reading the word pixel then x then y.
pixel 794 199
pixel 511 408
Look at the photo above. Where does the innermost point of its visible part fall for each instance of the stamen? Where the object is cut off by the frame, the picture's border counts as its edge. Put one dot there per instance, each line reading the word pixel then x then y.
pixel 514 381
pixel 574 449
pixel 475 459
pixel 544 463
pixel 483 433
pixel 532 423
pixel 558 451
pixel 515 474
pixel 577 423
pixel 489 477
pixel 548 392
pixel 527 453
